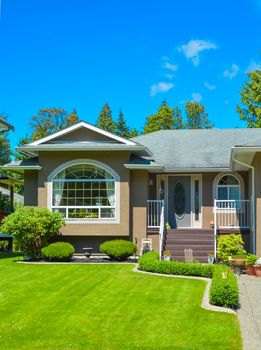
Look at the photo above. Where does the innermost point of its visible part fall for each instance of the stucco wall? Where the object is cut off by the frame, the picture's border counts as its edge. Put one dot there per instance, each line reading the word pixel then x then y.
pixel 31 188
pixel 115 160
pixel 257 164
pixel 138 199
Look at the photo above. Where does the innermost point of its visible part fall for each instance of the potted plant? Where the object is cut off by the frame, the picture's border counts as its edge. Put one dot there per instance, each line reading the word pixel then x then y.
pixel 168 226
pixel 251 260
pixel 166 255
pixel 211 258
pixel 257 268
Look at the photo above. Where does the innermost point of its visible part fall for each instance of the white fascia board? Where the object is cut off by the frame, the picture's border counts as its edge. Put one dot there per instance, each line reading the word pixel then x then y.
pixel 80 147
pixel 145 167
pixel 195 170
pixel 17 167
pixel 80 125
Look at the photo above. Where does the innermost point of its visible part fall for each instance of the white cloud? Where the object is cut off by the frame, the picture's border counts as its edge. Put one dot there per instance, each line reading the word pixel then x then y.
pixel 160 87
pixel 209 86
pixel 170 66
pixel 169 76
pixel 253 66
pixel 196 97
pixel 192 49
pixel 230 74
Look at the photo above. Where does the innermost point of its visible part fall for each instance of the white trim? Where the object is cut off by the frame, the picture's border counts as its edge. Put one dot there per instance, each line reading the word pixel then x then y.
pixel 80 125
pixel 17 167
pixel 115 220
pixel 237 176
pixel 140 166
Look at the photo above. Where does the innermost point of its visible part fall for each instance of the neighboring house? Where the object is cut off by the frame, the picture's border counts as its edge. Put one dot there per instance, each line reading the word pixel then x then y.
pixel 200 182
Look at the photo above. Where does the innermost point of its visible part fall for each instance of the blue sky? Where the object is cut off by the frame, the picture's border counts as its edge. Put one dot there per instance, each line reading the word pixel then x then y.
pixel 131 54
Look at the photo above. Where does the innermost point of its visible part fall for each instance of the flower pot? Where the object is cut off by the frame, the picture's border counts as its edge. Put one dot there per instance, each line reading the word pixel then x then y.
pixel 251 270
pixel 211 259
pixel 166 258
pixel 257 270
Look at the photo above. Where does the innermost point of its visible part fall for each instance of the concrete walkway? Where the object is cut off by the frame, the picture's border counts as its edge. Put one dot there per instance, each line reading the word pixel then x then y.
pixel 249 313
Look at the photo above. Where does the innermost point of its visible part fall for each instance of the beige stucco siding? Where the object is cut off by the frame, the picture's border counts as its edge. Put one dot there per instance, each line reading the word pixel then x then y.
pixel 83 134
pixel 115 160
pixel 30 188
pixel 257 164
pixel 138 200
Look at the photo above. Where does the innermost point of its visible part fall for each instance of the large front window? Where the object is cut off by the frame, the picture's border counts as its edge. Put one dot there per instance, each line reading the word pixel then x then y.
pixel 84 191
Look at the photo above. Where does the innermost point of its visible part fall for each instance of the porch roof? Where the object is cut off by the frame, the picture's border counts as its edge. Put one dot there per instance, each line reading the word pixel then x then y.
pixel 196 150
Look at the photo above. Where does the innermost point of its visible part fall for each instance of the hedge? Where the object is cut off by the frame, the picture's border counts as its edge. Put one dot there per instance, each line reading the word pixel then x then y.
pixel 224 290
pixel 118 249
pixel 58 251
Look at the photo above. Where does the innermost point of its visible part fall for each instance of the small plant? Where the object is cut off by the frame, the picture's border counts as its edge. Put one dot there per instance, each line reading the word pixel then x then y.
pixel 59 251
pixel 118 249
pixel 251 259
pixel 211 255
pixel 230 245
pixel 166 253
pixel 168 226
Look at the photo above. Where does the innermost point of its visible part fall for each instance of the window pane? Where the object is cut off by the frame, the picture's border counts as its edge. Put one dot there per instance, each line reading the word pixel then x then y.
pixel 196 200
pixel 107 212
pixel 83 213
pixel 234 193
pixel 228 180
pixel 222 193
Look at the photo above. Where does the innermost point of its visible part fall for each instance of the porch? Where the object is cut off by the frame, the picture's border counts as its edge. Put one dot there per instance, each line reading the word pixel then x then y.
pixel 228 216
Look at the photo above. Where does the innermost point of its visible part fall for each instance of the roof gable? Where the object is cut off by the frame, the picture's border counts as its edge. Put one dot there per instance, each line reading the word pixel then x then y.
pixel 80 132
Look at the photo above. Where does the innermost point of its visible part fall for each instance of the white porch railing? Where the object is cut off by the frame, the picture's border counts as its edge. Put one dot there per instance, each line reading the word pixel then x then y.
pixel 161 232
pixel 231 214
pixel 154 212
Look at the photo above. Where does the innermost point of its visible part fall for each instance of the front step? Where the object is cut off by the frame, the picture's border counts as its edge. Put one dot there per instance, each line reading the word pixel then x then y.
pixel 199 240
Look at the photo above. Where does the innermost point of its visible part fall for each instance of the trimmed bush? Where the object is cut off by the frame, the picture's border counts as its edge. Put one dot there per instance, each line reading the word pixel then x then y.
pixel 59 251
pixel 32 228
pixel 230 245
pixel 150 262
pixel 118 249
pixel 224 289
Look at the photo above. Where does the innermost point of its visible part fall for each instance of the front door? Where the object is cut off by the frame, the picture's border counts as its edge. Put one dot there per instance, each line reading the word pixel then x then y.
pixel 179 201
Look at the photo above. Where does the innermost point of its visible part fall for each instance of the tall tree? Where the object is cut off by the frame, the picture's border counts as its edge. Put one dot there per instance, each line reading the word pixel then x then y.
pixel 5 149
pixel 165 118
pixel 121 127
pixel 50 120
pixel 250 108
pixel 105 120
pixel 197 117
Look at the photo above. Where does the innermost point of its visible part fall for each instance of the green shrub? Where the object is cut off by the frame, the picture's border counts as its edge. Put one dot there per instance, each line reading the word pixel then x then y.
pixel 118 249
pixel 59 251
pixel 230 245
pixel 224 289
pixel 251 259
pixel 150 262
pixel 32 228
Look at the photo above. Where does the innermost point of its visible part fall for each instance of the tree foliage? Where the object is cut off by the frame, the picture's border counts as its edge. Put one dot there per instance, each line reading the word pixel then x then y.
pixel 196 116
pixel 165 118
pixel 122 129
pixel 5 149
pixel 105 120
pixel 50 120
pixel 250 108
pixel 32 228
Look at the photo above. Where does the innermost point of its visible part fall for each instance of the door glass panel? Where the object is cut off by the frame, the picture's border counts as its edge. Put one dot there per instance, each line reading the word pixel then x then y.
pixel 196 200
pixel 179 200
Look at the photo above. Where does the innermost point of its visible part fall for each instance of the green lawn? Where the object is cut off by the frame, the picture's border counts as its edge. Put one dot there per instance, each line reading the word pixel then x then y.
pixel 106 307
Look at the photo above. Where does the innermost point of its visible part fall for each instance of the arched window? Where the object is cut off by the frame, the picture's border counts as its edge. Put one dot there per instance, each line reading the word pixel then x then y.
pixel 228 188
pixel 84 191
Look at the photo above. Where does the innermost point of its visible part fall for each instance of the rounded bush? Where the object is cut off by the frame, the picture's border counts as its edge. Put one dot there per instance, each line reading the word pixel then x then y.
pixel 59 251
pixel 118 249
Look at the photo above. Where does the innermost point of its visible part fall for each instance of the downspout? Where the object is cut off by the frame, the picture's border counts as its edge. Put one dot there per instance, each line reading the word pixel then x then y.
pixel 252 200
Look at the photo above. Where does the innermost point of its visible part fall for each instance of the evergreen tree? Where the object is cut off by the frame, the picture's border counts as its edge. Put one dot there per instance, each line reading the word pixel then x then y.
pixel 121 127
pixel 165 118
pixel 197 117
pixel 105 120
pixel 250 109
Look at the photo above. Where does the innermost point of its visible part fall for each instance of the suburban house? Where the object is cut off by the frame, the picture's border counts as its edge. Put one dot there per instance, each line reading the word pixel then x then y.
pixel 180 188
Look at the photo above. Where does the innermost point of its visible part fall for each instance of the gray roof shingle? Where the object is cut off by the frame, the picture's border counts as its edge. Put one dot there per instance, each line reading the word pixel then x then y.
pixel 201 148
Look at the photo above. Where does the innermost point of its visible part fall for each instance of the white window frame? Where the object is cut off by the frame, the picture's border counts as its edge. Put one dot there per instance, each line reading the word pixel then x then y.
pixel 219 177
pixel 116 180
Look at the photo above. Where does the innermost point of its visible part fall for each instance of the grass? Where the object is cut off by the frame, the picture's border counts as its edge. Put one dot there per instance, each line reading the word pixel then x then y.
pixel 100 307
